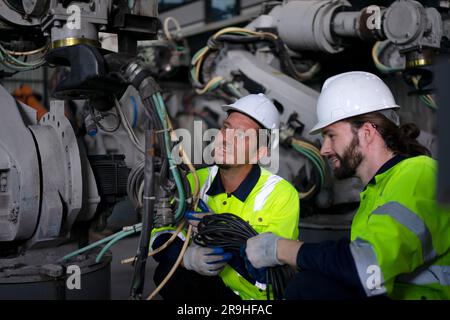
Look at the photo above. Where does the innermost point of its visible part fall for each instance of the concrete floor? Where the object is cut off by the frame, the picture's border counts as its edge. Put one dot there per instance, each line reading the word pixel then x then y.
pixel 121 274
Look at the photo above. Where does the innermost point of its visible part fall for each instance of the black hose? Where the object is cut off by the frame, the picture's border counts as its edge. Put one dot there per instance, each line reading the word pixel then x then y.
pixel 147 216
pixel 240 39
pixel 231 233
pixel 187 188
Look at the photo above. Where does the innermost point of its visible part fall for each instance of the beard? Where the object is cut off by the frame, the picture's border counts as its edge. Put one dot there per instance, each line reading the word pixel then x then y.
pixel 349 161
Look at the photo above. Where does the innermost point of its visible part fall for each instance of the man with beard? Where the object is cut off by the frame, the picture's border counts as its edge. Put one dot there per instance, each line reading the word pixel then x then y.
pixel 399 242
pixel 236 185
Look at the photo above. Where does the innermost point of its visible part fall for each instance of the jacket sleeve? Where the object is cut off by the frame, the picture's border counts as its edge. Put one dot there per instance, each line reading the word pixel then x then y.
pixel 332 259
pixel 397 237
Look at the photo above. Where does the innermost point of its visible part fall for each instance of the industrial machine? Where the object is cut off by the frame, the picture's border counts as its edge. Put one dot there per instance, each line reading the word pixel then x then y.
pixel 52 189
pixel 56 179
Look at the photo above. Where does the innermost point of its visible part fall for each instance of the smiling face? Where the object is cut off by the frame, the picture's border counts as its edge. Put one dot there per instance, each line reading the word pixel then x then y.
pixel 341 146
pixel 237 143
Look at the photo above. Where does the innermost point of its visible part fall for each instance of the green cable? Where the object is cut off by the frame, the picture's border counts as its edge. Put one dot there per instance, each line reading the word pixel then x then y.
pixel 19 62
pixel 180 187
pixel 193 75
pixel 428 103
pixel 195 57
pixel 384 68
pixel 114 241
pixel 91 246
pixel 161 109
pixel 317 162
pixel 234 89
pixel 96 244
pixel 313 159
pixel 11 66
pixel 215 85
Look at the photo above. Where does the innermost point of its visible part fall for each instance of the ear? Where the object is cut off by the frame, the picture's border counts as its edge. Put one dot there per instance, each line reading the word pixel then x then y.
pixel 367 133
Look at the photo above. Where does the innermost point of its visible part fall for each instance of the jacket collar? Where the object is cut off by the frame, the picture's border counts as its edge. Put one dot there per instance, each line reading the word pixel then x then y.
pixel 386 166
pixel 244 188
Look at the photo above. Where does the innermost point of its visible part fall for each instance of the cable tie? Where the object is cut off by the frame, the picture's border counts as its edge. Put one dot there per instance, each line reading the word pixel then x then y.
pixel 149 198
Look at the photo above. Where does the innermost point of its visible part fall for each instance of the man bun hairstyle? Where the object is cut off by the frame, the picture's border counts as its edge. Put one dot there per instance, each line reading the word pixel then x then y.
pixel 400 140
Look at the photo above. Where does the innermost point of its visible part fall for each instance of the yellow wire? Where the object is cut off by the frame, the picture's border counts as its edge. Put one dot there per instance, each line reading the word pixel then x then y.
pixel 427 97
pixel 197 62
pixel 27 53
pixel 196 192
pixel 236 29
pixel 375 53
pixel 196 58
pixel 161 248
pixel 316 151
pixel 310 147
pixel 209 85
pixel 188 162
pixel 303 195
pixel 174 267
pixel 230 30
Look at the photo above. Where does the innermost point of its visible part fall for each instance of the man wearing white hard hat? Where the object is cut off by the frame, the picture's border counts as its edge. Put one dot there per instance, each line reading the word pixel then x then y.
pixel 399 242
pixel 236 185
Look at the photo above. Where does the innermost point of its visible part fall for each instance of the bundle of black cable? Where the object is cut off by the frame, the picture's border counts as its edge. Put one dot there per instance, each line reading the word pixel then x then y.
pixel 230 232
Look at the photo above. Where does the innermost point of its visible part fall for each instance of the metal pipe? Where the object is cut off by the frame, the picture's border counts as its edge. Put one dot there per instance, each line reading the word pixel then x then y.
pixel 344 24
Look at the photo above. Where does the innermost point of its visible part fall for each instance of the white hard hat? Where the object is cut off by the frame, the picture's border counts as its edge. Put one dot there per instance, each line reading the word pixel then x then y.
pixel 351 94
pixel 258 107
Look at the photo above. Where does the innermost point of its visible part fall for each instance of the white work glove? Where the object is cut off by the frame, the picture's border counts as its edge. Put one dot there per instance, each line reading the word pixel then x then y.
pixel 205 261
pixel 261 250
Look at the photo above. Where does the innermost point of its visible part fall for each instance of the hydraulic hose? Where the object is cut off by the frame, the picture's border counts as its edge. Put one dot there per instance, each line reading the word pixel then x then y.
pixel 160 107
pixel 147 216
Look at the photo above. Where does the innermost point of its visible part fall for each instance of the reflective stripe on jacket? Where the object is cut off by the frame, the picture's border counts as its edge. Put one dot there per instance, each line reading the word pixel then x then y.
pixel 400 237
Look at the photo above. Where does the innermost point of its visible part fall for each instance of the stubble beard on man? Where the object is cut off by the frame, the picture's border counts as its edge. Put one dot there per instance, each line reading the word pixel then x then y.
pixel 350 160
